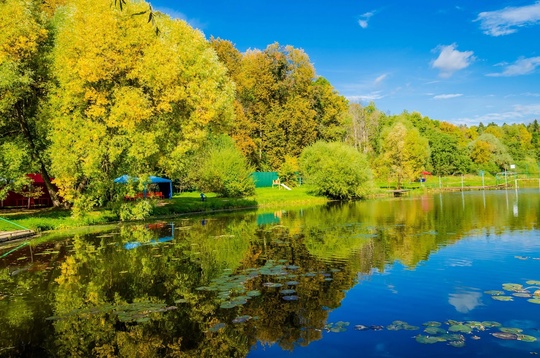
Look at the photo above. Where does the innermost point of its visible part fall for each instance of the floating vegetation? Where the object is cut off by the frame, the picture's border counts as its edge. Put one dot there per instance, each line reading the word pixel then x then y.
pixel 510 330
pixel 431 324
pixel 429 339
pixel 217 327
pixel 457 344
pixel 272 284
pixel 505 335
pixel 241 319
pixel 253 293
pixel 462 328
pixel 292 283
pixel 502 298
pixel 290 298
pixel 535 300
pixel 399 325
pixel 533 283
pixel 287 291
pixel 337 327
pixel 522 294
pixel 491 324
pixel 434 330
pixel 494 292
pixel 361 327
pixel 526 338
pixel 228 304
pixel 514 287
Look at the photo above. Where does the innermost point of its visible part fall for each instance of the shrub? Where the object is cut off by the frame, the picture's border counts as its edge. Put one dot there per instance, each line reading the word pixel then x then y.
pixel 288 172
pixel 221 168
pixel 336 170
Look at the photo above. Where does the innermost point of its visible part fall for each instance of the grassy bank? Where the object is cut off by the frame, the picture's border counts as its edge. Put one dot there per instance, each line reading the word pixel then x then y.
pixel 184 203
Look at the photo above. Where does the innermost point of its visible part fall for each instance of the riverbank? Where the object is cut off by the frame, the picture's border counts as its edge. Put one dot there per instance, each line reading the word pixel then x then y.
pixel 181 204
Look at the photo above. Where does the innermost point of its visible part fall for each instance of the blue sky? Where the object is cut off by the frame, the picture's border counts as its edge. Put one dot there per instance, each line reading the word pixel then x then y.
pixel 463 62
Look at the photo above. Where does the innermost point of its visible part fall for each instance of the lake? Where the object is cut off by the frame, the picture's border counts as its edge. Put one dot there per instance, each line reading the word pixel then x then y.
pixel 437 275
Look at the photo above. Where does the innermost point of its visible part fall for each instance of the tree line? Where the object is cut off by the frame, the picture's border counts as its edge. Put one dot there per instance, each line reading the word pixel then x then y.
pixel 91 90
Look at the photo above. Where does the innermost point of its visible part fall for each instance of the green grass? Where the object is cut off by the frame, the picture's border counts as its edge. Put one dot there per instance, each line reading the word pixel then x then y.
pixel 184 203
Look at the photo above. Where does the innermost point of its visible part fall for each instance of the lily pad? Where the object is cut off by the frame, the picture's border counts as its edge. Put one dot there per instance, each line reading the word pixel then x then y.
pixel 431 324
pixel 494 292
pixel 514 287
pixel 287 291
pixel 491 324
pixel 460 328
pixel 241 319
pixel 510 330
pixel 535 300
pixel 457 344
pixel 533 282
pixel 253 293
pixel 522 295
pixel 272 284
pixel 428 339
pixel 291 283
pixel 290 298
pixel 217 327
pixel 526 338
pixel 505 335
pixel 228 304
pixel 434 330
pixel 502 298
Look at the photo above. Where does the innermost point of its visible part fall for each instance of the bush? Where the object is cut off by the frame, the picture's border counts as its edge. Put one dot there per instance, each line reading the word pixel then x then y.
pixel 221 168
pixel 336 170
pixel 288 172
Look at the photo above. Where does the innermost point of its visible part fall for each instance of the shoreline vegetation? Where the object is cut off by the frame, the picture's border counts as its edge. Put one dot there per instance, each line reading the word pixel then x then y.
pixel 189 203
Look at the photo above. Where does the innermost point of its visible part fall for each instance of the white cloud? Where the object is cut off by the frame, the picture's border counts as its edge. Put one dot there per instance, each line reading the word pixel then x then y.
pixel 508 20
pixel 518 114
pixel 380 78
pixel 447 96
pixel 366 97
pixel 466 301
pixel 451 60
pixel 363 22
pixel 522 66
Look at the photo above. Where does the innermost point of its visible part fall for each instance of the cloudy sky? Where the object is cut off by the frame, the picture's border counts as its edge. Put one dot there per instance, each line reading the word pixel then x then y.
pixel 460 61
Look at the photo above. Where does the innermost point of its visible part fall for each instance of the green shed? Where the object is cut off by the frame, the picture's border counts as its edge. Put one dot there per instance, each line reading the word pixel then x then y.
pixel 264 179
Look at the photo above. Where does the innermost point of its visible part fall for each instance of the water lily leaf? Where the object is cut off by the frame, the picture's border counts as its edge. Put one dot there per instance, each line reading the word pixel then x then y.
pixel 510 330
pixel 217 327
pixel 494 292
pixel 290 298
pixel 515 287
pixel 428 339
pixel 291 283
pixel 287 291
pixel 522 295
pixel 361 327
pixel 526 338
pixel 253 293
pixel 502 298
pixel 491 324
pixel 460 328
pixel 533 282
pixel 457 344
pixel 535 300
pixel 505 335
pixel 272 284
pixel 434 330
pixel 431 324
pixel 241 319
pixel 228 304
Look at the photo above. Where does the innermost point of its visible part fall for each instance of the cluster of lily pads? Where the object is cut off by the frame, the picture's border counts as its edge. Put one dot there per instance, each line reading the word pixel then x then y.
pixel 532 292
pixel 231 290
pixel 130 312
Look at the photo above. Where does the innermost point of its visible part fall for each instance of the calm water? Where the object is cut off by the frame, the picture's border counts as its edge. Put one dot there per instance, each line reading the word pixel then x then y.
pixel 356 279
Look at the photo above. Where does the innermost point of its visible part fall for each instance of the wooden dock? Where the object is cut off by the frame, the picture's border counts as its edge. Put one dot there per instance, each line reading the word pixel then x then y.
pixel 14 235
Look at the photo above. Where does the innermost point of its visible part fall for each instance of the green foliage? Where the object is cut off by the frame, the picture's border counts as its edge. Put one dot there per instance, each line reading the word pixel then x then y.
pixel 221 168
pixel 336 170
pixel 138 210
pixel 489 153
pixel 446 157
pixel 288 172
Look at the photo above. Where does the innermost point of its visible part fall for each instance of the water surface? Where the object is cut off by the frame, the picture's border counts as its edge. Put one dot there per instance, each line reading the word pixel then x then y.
pixel 337 280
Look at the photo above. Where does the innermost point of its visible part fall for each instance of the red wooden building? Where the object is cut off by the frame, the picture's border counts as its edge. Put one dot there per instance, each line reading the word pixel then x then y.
pixel 18 200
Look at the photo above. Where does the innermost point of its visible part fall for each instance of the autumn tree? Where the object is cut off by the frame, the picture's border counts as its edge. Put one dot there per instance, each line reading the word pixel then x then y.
pixel 26 38
pixel 131 104
pixel 488 153
pixel 404 153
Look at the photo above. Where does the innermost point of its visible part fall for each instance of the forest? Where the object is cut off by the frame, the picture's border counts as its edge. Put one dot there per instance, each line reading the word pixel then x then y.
pixel 92 90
